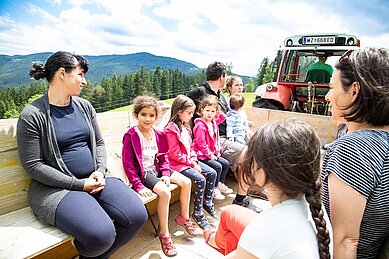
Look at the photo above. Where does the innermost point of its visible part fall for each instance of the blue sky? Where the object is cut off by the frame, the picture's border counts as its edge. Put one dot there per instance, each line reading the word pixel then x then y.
pixel 198 31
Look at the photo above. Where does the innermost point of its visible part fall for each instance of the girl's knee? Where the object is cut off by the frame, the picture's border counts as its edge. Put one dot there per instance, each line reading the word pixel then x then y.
pixel 164 194
pixel 186 183
pixel 218 168
pixel 212 174
pixel 200 181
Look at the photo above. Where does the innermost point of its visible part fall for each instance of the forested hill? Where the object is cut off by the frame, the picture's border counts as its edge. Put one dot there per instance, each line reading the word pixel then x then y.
pixel 14 69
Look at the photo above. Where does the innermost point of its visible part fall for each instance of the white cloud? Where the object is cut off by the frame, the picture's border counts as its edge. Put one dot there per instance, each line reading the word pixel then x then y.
pixel 198 31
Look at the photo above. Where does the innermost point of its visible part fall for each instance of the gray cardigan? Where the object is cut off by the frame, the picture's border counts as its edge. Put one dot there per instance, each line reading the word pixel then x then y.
pixel 41 158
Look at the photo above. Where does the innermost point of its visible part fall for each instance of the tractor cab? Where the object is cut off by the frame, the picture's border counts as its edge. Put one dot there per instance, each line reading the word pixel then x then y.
pixel 305 72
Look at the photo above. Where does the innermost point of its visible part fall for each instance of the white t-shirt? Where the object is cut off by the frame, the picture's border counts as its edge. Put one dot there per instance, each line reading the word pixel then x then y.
pixel 149 151
pixel 186 138
pixel 283 231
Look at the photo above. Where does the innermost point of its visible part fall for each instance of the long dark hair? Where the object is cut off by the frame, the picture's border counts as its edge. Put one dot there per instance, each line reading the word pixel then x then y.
pixel 289 153
pixel 180 104
pixel 63 59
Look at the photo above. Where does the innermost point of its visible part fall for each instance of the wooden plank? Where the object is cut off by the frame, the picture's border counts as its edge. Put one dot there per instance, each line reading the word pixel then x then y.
pixel 257 116
pixel 22 235
pixel 62 250
pixel 324 125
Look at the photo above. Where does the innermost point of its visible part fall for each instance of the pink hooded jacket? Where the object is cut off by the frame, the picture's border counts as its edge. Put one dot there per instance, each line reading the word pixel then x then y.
pixel 179 158
pixel 204 144
pixel 132 157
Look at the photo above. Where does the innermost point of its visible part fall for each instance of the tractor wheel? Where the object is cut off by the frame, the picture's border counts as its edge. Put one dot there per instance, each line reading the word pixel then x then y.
pixel 266 104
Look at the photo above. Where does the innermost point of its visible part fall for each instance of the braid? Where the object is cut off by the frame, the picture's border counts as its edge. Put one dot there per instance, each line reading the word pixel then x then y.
pixel 313 198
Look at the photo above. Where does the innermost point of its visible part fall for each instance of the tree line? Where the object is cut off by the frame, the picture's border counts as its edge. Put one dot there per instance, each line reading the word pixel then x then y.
pixel 268 71
pixel 113 92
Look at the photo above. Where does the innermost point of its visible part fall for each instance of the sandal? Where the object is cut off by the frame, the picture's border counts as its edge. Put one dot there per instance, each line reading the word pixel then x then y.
pixel 187 224
pixel 207 236
pixel 168 248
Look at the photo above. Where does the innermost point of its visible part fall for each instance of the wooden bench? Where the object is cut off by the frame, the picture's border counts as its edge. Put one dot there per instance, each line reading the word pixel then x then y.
pixel 21 234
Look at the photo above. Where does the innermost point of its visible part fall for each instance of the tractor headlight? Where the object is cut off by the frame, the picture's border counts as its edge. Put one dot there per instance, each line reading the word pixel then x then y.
pixel 269 87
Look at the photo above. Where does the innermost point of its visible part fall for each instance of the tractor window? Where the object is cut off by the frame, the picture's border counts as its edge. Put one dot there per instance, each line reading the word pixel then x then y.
pixel 296 66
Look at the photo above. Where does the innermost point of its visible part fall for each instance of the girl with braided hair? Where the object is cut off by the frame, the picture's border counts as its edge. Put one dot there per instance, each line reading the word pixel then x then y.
pixel 283 157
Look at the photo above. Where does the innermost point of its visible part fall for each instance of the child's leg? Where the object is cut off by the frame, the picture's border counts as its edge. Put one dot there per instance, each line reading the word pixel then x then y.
pixel 185 184
pixel 163 206
pixel 199 188
pixel 215 165
pixel 225 165
pixel 210 183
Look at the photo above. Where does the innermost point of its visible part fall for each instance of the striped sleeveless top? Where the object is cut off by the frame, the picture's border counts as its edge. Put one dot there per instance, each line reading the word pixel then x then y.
pixel 361 160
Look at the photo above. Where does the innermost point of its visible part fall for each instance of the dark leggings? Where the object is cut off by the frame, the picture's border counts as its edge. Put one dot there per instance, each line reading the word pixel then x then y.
pixel 221 166
pixel 204 186
pixel 103 222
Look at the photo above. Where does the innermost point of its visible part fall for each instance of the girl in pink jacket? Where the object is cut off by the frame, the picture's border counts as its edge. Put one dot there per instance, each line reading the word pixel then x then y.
pixel 184 160
pixel 207 143
pixel 146 164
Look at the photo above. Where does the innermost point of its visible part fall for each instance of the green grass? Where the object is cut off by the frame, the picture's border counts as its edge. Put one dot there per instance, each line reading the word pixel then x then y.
pixel 250 97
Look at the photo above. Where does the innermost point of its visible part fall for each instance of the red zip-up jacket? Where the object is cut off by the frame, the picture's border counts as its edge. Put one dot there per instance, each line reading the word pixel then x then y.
pixel 204 144
pixel 179 158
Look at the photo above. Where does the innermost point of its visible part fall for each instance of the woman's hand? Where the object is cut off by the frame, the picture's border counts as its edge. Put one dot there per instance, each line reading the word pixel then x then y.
pixel 214 157
pixel 145 192
pixel 94 183
pixel 166 180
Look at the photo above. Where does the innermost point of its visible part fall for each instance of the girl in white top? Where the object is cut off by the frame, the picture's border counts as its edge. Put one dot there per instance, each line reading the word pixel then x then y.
pixel 283 157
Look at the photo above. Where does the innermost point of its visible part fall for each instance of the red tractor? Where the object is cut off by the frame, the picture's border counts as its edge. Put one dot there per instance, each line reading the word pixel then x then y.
pixel 301 83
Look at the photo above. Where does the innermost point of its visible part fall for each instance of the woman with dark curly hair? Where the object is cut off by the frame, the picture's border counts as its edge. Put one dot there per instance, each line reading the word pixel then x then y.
pixel 283 157
pixel 355 171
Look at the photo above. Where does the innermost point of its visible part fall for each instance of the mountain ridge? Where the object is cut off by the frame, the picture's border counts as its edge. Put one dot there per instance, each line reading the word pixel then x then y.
pixel 14 68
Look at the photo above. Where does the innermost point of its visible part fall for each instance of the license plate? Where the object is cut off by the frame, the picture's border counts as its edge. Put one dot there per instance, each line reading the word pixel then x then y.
pixel 319 40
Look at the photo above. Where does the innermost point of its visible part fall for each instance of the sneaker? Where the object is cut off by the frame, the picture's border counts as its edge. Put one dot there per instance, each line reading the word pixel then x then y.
pixel 201 221
pixel 168 248
pixel 247 203
pixel 187 224
pixel 211 211
pixel 217 195
pixel 224 188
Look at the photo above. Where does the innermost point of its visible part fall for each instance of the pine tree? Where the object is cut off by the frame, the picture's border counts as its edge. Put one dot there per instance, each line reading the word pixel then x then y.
pixel 262 70
pixel 249 87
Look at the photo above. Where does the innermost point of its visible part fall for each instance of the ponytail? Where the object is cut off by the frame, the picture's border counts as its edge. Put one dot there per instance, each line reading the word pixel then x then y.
pixel 323 238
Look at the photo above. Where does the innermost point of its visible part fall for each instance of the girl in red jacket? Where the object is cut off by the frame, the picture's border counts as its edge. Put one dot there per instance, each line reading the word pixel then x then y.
pixel 146 164
pixel 183 159
pixel 206 141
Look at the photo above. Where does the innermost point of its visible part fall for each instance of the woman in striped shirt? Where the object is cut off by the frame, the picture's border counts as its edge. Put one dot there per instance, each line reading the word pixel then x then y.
pixel 355 172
